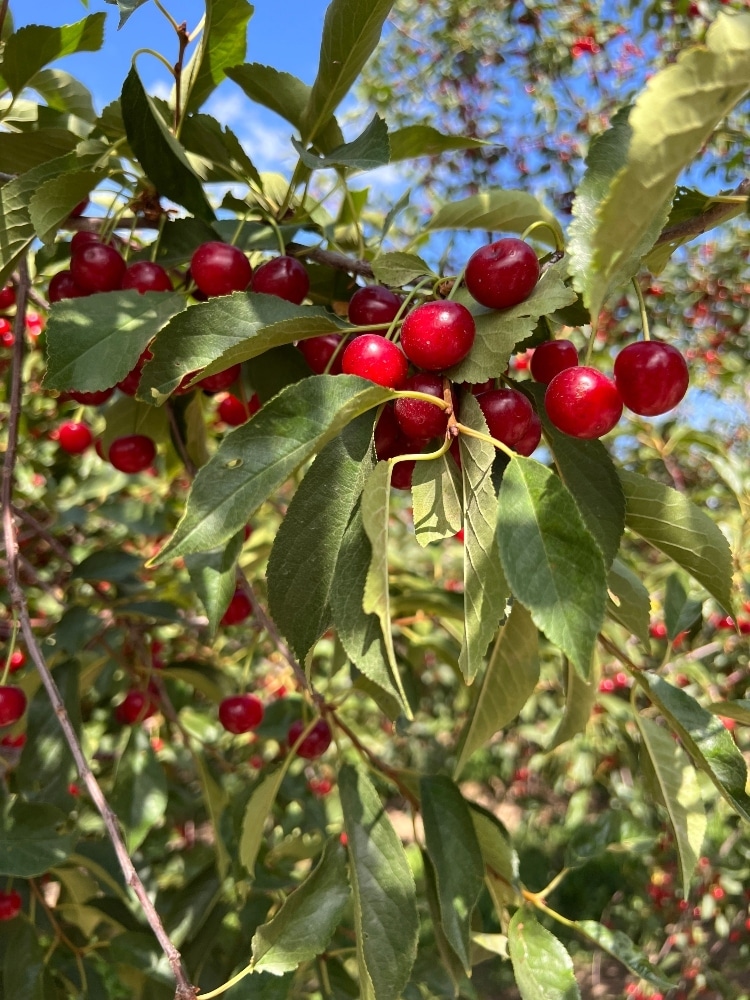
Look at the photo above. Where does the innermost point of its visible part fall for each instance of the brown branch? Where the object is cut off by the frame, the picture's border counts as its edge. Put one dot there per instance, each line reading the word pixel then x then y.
pixel 712 217
pixel 330 258
pixel 184 991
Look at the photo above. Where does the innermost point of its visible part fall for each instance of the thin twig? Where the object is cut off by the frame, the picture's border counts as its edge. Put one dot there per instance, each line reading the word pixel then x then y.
pixel 184 41
pixel 712 217
pixel 331 258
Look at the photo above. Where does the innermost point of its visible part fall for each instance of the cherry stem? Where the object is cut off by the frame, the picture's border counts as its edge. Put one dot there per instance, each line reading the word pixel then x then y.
pixel 421 457
pixel 11 649
pixel 480 436
pixel 456 285
pixel 424 397
pixel 642 307
pixel 540 224
pixel 404 307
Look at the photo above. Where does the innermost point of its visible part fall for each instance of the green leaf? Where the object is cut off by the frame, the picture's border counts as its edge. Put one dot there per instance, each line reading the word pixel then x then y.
pixel 127 7
pixel 369 150
pixel 619 946
pixel 94 342
pixel 670 122
pixel 508 682
pixel 495 844
pixel 256 812
pixel 64 93
pixel 29 49
pixel 219 146
pixel 306 922
pixel 139 796
pixel 22 151
pixel 215 799
pixel 450 961
pixel 127 416
pixel 542 967
pixel 453 848
pixel 496 210
pixel 54 200
pixel 680 611
pixel 674 525
pixel 33 839
pixel 397 269
pixel 424 140
pixel 628 601
pixel 485 587
pixel 739 710
pixel 436 499
pixel 385 905
pixel 350 33
pixel 224 44
pixel 688 204
pixel 551 561
pixel 580 696
pixel 162 157
pixel 307 544
pixel 680 793
pixel 255 459
pixel 705 738
pixel 214 577
pixel 24 962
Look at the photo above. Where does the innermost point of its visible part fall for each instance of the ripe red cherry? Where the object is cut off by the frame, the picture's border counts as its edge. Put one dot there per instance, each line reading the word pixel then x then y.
pixel 97 268
pixel 502 274
pixel 132 453
pixel 90 398
pixel 220 381
pixel 508 414
pixel 7 297
pixel 62 286
pixel 416 418
pixel 387 434
pixel 17 660
pixel 402 473
pixel 10 905
pixel 551 358
pixel 285 277
pixel 12 704
pixel 129 385
pixel 529 442
pixel 315 743
pixel 583 402
pixel 238 610
pixel 437 335
pixel 7 337
pixel 374 305
pixel 145 276
pixel 318 351
pixel 136 706
pixel 218 269
pixel 241 713
pixel 74 437
pixel 651 377
pixel 83 238
pixel 234 412
pixel 372 356
pixel 79 209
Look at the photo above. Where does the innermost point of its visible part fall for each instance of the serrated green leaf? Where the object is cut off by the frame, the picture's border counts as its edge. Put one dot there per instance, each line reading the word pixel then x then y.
pixel 22 151
pixel 92 343
pixel 542 967
pixel 580 696
pixel 495 844
pixel 214 577
pixel 453 848
pixel 139 796
pixel 705 738
pixel 628 601
pixel 396 269
pixel 369 150
pixel 126 7
pixel 619 946
pixel 223 44
pixel 258 807
pixel 24 962
pixel 508 682
pixel 424 140
pixel 53 201
pixel 385 905
pixel 33 838
pixel 680 794
pixel 485 586
pixel 551 561
pixel 496 210
pixel 222 153
pixel 674 525
pixel 306 922
pixel 680 610
pixel 64 93
pixel 436 499
pixel 307 544
pixel 162 157
pixel 34 46
pixel 255 459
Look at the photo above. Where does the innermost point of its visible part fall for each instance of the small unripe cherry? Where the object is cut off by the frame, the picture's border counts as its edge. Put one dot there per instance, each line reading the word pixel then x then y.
pixel 551 358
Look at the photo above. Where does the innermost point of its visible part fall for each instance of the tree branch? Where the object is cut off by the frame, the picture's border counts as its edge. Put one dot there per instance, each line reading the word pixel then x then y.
pixel 712 217
pixel 331 258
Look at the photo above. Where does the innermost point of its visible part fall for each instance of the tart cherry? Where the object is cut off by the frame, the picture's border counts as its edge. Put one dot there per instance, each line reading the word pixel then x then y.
pixel 219 269
pixel 372 356
pixel 132 453
pixel 234 412
pixel 238 610
pixel 91 398
pixel 136 706
pixel 79 209
pixel 417 418
pixel 7 337
pixel 387 434
pixel 437 335
pixel 240 713
pixel 10 905
pixel 318 351
pixel 508 414
pixel 220 381
pixel 583 402
pixel 145 276
pixel 374 305
pixel 651 377
pixel 83 238
pixel 315 743
pixel 402 473
pixel 17 660
pixel 74 437
pixel 62 286
pixel 529 442
pixel 551 358
pixel 129 385
pixel 12 704
pixel 97 268
pixel 502 274
pixel 7 297
pixel 285 277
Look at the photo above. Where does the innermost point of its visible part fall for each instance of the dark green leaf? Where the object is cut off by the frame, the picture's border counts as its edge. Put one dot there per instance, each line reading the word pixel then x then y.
pixel 436 499
pixel 22 151
pixel 628 601
pixel 113 566
pixel 424 140
pixel 619 946
pixel 139 796
pixel 36 45
pixel 75 629
pixel 495 844
pixel 223 45
pixel 396 268
pixel 277 368
pixel 207 138
pixel 680 610
pixel 739 710
pixel 54 200
pixel 33 839
pixel 448 957
pixel 23 968
pixel 580 696
pixel 369 150
pixel 214 576
pixel 542 967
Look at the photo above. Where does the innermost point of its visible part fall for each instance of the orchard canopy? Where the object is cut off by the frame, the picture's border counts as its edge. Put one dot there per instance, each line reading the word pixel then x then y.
pixel 376 584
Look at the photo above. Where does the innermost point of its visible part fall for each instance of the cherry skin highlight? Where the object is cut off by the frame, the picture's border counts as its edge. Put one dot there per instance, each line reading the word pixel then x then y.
pixel 502 274
pixel 240 713
pixel 132 453
pixel 285 277
pixel 372 356
pixel 551 358
pixel 219 269
pixel 651 377
pixel 437 335
pixel 374 305
pixel 583 402
pixel 508 414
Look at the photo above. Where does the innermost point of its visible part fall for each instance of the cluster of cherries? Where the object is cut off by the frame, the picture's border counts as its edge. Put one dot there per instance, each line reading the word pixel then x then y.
pixel 12 699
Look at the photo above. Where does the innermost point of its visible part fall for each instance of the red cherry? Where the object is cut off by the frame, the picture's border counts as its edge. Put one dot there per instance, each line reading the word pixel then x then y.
pixel 437 335
pixel 285 277
pixel 220 380
pixel 7 337
pixel 529 442
pixel 12 704
pixel 132 453
pixel 651 377
pixel 219 269
pixel 129 385
pixel 551 358
pixel 17 660
pixel 136 706
pixel 10 905
pixel 416 418
pixel 7 297
pixel 240 713
pixel 402 473
pixel 238 610
pixel 508 414
pixel 315 743
pixel 74 437
pixel 146 276
pixel 372 356
pixel 91 398
pixel 62 286
pixel 233 411
pixel 387 434
pixel 583 402
pixel 318 351
pixel 477 388
pixel 79 209
pixel 502 274
pixel 83 238
pixel 97 268
pixel 374 305
pixel 13 741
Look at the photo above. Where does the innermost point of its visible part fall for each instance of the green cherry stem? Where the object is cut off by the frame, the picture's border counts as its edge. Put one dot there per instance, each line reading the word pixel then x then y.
pixel 456 285
pixel 421 457
pixel 392 329
pixel 642 307
pixel 480 436
pixel 423 396
pixel 540 224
